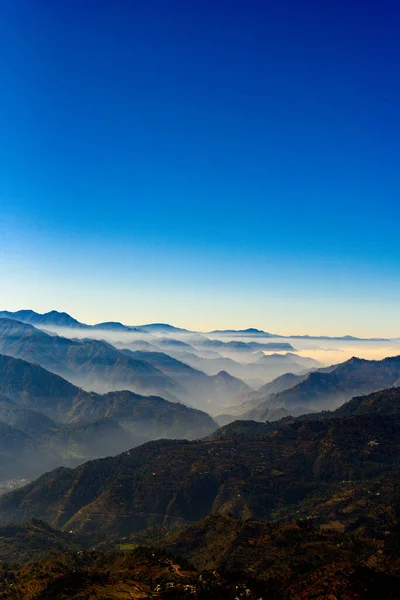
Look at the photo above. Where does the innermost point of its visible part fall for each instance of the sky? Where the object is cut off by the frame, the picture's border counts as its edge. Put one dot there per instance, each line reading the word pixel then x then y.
pixel 210 164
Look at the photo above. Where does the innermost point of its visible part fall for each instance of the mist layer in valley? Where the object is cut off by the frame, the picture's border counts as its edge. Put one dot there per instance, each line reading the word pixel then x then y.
pixel 70 392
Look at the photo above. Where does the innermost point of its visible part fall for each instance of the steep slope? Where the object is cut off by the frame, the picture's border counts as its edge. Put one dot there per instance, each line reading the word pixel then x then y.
pixel 170 366
pixel 385 401
pixel 30 385
pixel 293 470
pixel 284 382
pixel 99 366
pixel 225 386
pixel 242 406
pixel 55 318
pixel 289 380
pixel 38 399
pixel 146 417
pixel 196 388
pixel 328 390
pixel 88 363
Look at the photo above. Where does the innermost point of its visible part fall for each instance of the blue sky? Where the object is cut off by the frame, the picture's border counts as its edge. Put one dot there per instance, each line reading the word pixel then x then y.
pixel 211 164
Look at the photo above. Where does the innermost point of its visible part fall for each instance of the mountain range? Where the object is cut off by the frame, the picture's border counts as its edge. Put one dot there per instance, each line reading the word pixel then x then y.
pixel 46 421
pixel 100 366
pixel 258 369
pixel 265 472
pixel 137 495
pixel 301 507
pixel 62 320
pixel 326 388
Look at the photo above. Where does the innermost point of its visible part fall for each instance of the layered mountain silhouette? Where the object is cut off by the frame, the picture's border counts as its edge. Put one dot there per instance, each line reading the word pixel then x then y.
pixel 240 346
pixel 295 507
pixel 52 318
pixel 248 470
pixel 63 320
pixel 261 368
pixel 32 387
pixel 100 366
pixel 58 319
pixel 93 364
pixel 51 421
pixel 384 402
pixel 327 389
pixel 250 332
pixel 243 404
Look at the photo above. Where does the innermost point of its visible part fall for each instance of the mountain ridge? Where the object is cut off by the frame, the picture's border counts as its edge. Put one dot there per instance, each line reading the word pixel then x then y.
pixel 61 319
pixel 329 389
pixel 100 366
pixel 174 482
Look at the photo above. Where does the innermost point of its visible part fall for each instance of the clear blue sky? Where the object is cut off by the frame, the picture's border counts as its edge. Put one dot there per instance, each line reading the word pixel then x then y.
pixel 205 163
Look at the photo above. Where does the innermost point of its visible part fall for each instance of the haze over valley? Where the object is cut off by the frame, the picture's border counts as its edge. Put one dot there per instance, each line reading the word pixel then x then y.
pixel 199 300
pixel 148 445
pixel 71 391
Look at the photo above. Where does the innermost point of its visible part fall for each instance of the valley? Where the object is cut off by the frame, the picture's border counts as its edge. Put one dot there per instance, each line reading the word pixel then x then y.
pixel 298 484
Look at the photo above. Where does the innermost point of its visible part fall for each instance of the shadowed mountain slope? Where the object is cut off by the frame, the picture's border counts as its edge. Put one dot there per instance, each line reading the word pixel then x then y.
pixel 328 390
pixel 294 469
pixel 99 366
pixel 30 385
pixel 87 363
pixel 37 400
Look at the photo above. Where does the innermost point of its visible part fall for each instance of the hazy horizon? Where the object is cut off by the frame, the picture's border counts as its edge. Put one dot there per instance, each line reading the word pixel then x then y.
pixel 327 351
pixel 226 324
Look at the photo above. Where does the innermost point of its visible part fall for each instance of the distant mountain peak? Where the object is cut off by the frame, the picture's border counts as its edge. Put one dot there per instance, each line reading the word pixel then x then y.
pixel 163 327
pixel 225 375
pixel 116 326
pixel 251 331
pixel 54 317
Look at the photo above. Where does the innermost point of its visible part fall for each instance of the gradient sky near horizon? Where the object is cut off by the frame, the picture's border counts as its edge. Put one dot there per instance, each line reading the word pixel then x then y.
pixel 210 164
